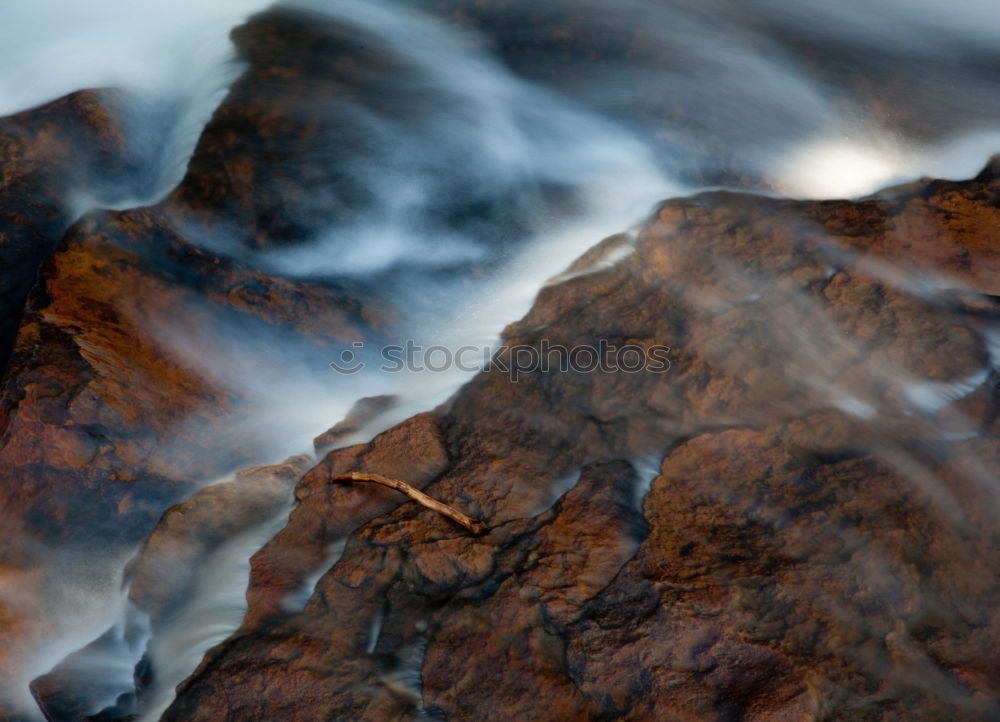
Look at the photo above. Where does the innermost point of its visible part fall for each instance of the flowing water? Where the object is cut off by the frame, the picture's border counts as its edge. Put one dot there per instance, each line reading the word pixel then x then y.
pixel 510 136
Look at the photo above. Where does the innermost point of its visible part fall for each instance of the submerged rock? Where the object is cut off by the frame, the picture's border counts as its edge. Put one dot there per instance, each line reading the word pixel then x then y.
pixel 166 568
pixel 365 410
pixel 161 580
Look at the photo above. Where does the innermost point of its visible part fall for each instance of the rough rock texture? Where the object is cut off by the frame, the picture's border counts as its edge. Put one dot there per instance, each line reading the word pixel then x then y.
pixel 260 176
pixel 819 540
pixel 46 154
pixel 105 424
pixel 326 513
pixel 778 585
pixel 120 399
pixel 100 360
pixel 820 457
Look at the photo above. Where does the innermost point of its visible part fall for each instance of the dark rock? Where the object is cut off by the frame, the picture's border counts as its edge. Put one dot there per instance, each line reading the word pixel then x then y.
pixel 46 156
pixel 818 540
pixel 105 420
pixel 163 573
pixel 161 578
pixel 361 413
pixel 413 451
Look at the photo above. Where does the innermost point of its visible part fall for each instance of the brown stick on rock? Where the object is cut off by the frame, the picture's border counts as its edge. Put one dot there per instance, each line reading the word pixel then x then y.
pixel 473 525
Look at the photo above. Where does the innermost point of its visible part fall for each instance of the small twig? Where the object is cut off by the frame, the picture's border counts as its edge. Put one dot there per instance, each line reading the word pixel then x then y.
pixel 473 525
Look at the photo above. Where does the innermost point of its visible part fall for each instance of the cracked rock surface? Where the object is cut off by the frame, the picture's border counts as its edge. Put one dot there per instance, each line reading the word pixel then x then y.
pixel 795 521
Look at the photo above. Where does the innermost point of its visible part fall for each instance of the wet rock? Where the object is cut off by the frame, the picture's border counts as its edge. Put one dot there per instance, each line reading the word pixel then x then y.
pixel 361 413
pixel 99 406
pixel 126 387
pixel 284 571
pixel 780 586
pixel 100 681
pixel 47 155
pixel 288 158
pixel 816 541
pixel 166 568
pixel 830 371
pixel 379 610
pixel 161 578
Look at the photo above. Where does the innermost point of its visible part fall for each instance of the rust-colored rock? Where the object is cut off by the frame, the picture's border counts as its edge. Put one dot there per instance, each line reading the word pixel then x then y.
pixel 116 403
pixel 47 155
pixel 785 576
pixel 326 512
pixel 817 541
